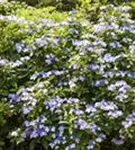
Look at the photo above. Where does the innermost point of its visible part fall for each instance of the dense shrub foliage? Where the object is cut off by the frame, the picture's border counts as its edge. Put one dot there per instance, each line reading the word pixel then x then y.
pixel 66 82
pixel 71 4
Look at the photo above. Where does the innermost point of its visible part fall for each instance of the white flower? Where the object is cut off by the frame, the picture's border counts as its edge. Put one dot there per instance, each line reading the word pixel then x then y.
pixel 14 133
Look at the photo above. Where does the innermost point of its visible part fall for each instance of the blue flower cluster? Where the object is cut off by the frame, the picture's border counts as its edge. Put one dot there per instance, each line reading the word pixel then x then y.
pixel 72 80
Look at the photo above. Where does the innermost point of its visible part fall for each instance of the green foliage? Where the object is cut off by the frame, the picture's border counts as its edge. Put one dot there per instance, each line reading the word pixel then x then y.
pixel 48 12
pixel 7 8
pixel 68 5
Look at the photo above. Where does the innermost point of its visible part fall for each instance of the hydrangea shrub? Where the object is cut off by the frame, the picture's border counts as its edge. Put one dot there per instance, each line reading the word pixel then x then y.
pixel 69 84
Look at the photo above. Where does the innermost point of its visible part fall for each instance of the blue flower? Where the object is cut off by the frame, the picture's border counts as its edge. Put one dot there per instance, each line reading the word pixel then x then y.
pixel 42 131
pixel 28 132
pixel 14 98
pixel 26 109
pixel 90 109
pixel 34 134
pixel 3 62
pixel 72 100
pixel 57 72
pixel 94 66
pixel 109 58
pixel 106 105
pixel 41 42
pixel 71 146
pixel 117 141
pixel 91 144
pixel 129 121
pixel 115 114
pixel 100 82
pixel 50 58
pixel 115 45
pixel 81 124
pixel 19 47
pixel 53 103
pixel 76 111
pixel 100 138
